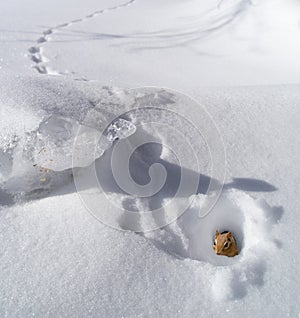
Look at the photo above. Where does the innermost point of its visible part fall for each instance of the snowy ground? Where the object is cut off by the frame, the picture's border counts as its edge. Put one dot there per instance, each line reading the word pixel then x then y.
pixel 75 67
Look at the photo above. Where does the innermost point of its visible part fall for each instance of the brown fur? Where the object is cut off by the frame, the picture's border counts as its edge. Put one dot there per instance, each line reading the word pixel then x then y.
pixel 225 244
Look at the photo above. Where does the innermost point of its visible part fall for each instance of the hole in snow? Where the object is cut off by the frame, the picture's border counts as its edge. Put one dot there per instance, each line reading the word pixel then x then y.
pixel 191 236
pixel 250 220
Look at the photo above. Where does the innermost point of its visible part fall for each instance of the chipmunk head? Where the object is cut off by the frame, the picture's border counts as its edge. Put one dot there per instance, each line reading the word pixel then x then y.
pixel 224 244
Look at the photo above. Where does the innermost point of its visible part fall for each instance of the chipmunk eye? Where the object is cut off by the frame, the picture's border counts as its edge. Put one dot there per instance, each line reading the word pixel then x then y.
pixel 226 245
pixel 215 243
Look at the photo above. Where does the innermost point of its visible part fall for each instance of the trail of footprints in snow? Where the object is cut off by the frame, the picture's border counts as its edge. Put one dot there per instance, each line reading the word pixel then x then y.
pixel 36 53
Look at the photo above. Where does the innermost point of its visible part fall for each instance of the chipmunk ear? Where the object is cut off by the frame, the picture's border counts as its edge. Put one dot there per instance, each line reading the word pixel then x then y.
pixel 217 233
pixel 229 234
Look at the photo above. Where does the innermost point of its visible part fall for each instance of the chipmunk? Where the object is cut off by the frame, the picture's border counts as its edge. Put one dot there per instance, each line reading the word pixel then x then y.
pixel 225 244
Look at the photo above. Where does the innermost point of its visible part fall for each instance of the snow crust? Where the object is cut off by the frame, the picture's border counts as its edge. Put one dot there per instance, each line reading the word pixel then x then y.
pixel 41 130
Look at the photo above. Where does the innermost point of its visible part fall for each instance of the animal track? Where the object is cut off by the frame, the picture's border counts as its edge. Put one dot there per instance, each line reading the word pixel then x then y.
pixel 41 69
pixel 47 32
pixel 36 58
pixel 36 53
pixel 41 40
pixel 34 49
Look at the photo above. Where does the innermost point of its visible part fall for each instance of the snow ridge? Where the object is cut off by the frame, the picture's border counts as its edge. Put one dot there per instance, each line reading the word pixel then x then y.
pixel 36 53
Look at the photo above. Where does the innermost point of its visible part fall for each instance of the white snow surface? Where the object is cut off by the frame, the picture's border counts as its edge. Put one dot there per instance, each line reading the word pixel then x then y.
pixel 69 73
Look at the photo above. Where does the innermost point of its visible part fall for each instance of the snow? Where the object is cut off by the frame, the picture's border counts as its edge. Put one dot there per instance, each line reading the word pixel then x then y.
pixel 111 192
pixel 162 43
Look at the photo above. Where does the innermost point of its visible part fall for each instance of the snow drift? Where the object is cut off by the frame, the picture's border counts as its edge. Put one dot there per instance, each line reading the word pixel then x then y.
pixel 37 154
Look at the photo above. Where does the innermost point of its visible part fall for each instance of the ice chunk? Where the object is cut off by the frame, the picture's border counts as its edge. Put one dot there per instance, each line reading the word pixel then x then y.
pixel 57 145
pixel 7 145
pixel 54 141
pixel 40 129
pixel 120 129
pixel 57 135
pixel 58 128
